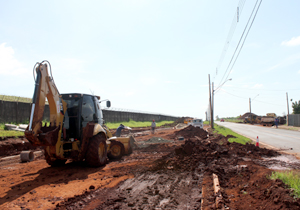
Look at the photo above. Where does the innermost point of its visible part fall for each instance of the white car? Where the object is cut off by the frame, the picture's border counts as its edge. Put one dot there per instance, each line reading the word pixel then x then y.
pixel 197 123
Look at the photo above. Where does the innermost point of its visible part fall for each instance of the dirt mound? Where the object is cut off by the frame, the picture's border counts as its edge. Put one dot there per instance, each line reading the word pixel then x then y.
pixel 231 161
pixel 216 151
pixel 12 146
pixel 190 132
pixel 249 190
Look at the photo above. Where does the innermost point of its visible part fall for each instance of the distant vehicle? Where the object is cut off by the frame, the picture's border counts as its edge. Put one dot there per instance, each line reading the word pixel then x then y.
pixel 188 120
pixel 197 123
pixel 222 120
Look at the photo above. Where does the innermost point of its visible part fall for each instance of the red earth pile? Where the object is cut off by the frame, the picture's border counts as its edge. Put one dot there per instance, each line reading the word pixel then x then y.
pixel 231 162
pixel 190 132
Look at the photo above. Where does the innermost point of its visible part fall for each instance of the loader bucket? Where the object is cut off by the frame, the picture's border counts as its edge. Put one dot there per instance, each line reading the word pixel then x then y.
pixel 128 142
pixel 47 136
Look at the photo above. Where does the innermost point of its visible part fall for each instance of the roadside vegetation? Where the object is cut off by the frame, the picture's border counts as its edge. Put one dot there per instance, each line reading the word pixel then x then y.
pixel 226 131
pixel 15 98
pixel 290 178
pixel 5 133
pixel 134 124
pixel 233 119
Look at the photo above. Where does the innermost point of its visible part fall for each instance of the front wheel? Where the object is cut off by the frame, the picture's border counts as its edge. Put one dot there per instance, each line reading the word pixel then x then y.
pixel 116 150
pixel 96 151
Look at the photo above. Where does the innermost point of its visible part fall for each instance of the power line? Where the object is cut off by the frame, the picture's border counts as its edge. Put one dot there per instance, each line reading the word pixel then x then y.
pixel 245 38
pixel 255 100
pixel 262 89
pixel 231 32
pixel 268 103
pixel 240 40
pixel 233 94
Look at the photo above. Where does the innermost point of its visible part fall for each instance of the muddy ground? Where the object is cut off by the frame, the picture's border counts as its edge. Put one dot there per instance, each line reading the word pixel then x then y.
pixel 171 169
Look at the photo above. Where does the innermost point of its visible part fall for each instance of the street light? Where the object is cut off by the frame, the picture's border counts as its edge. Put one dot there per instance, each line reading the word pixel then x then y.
pixel 213 96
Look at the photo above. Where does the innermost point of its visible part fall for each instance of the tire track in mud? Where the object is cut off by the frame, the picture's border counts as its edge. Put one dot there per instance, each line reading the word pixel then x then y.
pixel 161 190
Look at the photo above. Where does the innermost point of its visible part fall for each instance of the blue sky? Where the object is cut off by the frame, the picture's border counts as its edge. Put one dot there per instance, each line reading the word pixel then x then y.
pixel 155 55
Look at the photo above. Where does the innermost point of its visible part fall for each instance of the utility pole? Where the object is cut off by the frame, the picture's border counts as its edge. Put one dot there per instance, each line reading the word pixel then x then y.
pixel 210 100
pixel 212 107
pixel 250 110
pixel 288 110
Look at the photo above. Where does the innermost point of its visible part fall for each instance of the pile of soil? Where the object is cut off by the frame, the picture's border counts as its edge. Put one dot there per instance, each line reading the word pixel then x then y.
pixel 14 146
pixel 178 121
pixel 231 162
pixel 214 155
pixel 190 132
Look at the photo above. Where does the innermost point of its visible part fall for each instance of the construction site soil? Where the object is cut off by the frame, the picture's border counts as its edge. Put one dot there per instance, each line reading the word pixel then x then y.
pixel 171 169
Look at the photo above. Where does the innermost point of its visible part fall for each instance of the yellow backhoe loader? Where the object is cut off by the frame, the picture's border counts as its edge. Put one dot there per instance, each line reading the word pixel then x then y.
pixel 76 129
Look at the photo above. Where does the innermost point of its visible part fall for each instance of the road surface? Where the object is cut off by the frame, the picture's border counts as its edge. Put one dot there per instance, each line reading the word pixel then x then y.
pixel 278 138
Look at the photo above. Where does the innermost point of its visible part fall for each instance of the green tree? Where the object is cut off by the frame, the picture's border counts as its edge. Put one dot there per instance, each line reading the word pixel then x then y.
pixel 296 107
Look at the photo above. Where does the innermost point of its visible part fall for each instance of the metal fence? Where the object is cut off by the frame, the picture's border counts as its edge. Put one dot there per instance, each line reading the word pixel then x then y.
pixel 19 112
pixel 294 120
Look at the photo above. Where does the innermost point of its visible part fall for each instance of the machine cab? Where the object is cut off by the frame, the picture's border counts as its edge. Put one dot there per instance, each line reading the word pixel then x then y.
pixel 81 109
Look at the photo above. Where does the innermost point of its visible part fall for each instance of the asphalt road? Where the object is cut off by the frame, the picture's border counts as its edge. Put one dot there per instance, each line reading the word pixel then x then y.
pixel 279 138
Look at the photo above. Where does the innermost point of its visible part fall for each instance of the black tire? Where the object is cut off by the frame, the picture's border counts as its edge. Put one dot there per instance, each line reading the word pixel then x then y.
pixel 116 150
pixel 96 153
pixel 53 163
pixel 131 145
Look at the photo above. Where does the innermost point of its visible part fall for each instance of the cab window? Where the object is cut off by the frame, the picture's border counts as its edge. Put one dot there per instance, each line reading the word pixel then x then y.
pixel 88 110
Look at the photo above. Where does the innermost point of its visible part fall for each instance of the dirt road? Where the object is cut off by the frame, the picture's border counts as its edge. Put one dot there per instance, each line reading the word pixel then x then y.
pixel 163 173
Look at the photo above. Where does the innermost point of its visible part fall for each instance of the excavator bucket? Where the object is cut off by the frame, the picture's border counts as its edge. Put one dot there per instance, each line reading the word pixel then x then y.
pixel 47 136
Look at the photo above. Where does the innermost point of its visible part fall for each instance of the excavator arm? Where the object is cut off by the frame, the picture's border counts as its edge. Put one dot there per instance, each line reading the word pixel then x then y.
pixel 45 88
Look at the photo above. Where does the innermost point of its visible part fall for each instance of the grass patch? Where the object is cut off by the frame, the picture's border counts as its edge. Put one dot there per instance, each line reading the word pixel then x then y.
pixel 234 120
pixel 6 133
pixel 290 178
pixel 15 98
pixel 226 131
pixel 133 124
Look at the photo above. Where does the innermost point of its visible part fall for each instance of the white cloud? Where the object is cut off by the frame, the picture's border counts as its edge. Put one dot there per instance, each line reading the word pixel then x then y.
pixel 170 82
pixel 293 42
pixel 72 65
pixel 286 62
pixel 148 80
pixel 130 93
pixel 9 65
pixel 257 86
pixel 299 72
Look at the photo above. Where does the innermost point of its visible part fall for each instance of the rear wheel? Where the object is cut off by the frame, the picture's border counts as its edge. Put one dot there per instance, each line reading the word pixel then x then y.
pixel 116 150
pixel 96 151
